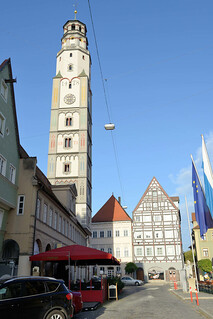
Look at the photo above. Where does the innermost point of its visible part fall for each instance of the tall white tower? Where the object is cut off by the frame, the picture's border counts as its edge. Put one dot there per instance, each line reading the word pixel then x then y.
pixel 70 138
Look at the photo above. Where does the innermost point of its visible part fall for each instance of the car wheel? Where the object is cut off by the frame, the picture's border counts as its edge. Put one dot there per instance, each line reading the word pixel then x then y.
pixel 136 283
pixel 55 314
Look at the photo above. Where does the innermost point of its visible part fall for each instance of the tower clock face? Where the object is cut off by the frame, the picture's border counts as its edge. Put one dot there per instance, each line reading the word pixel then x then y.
pixel 69 98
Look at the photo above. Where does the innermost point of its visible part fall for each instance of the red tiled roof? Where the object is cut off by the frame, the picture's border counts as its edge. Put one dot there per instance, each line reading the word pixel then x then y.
pixel 175 198
pixel 111 211
pixel 193 217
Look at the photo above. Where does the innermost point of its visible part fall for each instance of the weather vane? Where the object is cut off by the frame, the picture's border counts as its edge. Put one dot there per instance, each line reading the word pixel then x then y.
pixel 75 6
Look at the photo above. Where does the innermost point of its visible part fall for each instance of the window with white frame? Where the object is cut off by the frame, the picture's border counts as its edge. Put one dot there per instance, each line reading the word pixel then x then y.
pixel 70 232
pixel 94 234
pixel 102 249
pixel 2 165
pixel 170 250
pixel 4 90
pixel 158 234
pixel 55 220
pixel 147 218
pixel 38 208
pixel 20 205
pixel 126 252
pixel 50 217
pixel 125 232
pixel 159 251
pixel 169 234
pixel 45 213
pixel 138 235
pixel 2 124
pixel 109 233
pixel 63 226
pixel 67 229
pixel 137 218
pixel 157 218
pixel 205 252
pixel 167 217
pixel 118 253
pixel 1 217
pixel 139 251
pixel 147 235
pixel 155 205
pixel 101 234
pixel 149 251
pixel 117 233
pixel 110 250
pixel 204 237
pixel 59 223
pixel 12 176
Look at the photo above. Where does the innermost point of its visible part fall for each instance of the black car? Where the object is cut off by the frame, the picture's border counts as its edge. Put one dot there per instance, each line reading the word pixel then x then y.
pixel 35 298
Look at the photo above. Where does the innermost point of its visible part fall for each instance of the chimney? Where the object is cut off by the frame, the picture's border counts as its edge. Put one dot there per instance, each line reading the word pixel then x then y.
pixel 119 200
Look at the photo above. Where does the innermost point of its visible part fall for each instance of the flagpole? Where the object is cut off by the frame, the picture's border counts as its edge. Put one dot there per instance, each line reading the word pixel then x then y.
pixel 192 245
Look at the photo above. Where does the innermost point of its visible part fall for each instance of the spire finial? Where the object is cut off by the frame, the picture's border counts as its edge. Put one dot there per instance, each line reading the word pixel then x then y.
pixel 75 13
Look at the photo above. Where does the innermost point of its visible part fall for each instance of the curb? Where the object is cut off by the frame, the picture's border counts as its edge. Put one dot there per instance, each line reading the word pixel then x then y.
pixel 200 310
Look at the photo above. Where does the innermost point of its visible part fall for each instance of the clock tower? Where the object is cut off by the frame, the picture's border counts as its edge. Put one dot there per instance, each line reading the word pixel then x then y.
pixel 70 138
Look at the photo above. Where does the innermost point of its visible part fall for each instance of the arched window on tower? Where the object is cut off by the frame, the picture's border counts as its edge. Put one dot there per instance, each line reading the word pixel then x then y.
pixel 67 142
pixel 80 28
pixel 68 121
pixel 66 167
pixel 70 67
pixel 70 85
pixel 73 27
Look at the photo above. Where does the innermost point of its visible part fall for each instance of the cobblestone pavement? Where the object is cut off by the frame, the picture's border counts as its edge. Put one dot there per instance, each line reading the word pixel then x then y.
pixel 148 301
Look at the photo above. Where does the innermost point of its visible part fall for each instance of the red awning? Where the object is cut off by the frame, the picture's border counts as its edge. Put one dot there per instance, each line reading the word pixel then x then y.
pixel 79 255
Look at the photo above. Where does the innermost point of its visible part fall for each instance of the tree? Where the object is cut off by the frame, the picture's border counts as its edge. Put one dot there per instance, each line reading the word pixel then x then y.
pixel 188 256
pixel 130 268
pixel 205 265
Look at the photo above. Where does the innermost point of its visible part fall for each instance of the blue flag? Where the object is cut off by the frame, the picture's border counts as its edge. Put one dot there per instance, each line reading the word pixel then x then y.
pixel 202 213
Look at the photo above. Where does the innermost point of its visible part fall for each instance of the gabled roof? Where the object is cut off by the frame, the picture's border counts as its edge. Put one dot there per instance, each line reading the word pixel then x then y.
pixel 111 211
pixel 7 62
pixel 154 179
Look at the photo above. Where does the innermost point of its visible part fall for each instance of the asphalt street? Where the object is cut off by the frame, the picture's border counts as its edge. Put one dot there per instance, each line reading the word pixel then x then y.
pixel 148 301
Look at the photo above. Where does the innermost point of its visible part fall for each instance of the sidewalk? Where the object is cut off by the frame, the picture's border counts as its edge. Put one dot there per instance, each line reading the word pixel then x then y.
pixel 205 301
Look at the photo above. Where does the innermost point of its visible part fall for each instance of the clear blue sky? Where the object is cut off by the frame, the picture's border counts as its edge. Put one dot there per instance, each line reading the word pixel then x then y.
pixel 157 58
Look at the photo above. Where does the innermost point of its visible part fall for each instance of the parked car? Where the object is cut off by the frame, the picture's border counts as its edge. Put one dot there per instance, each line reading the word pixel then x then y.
pixel 35 298
pixel 129 281
pixel 77 301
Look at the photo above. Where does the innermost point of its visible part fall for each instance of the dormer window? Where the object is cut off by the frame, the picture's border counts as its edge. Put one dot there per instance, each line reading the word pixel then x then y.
pixel 73 27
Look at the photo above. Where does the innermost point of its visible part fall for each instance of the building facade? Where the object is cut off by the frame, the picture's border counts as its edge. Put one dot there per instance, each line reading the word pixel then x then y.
pixel 9 149
pixel 203 247
pixel 112 232
pixel 40 222
pixel 157 245
pixel 70 138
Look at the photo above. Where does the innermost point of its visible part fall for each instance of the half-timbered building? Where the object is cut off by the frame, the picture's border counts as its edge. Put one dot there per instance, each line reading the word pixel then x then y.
pixel 157 246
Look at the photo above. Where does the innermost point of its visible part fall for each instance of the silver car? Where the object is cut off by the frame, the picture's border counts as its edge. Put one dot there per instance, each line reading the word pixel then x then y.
pixel 129 281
